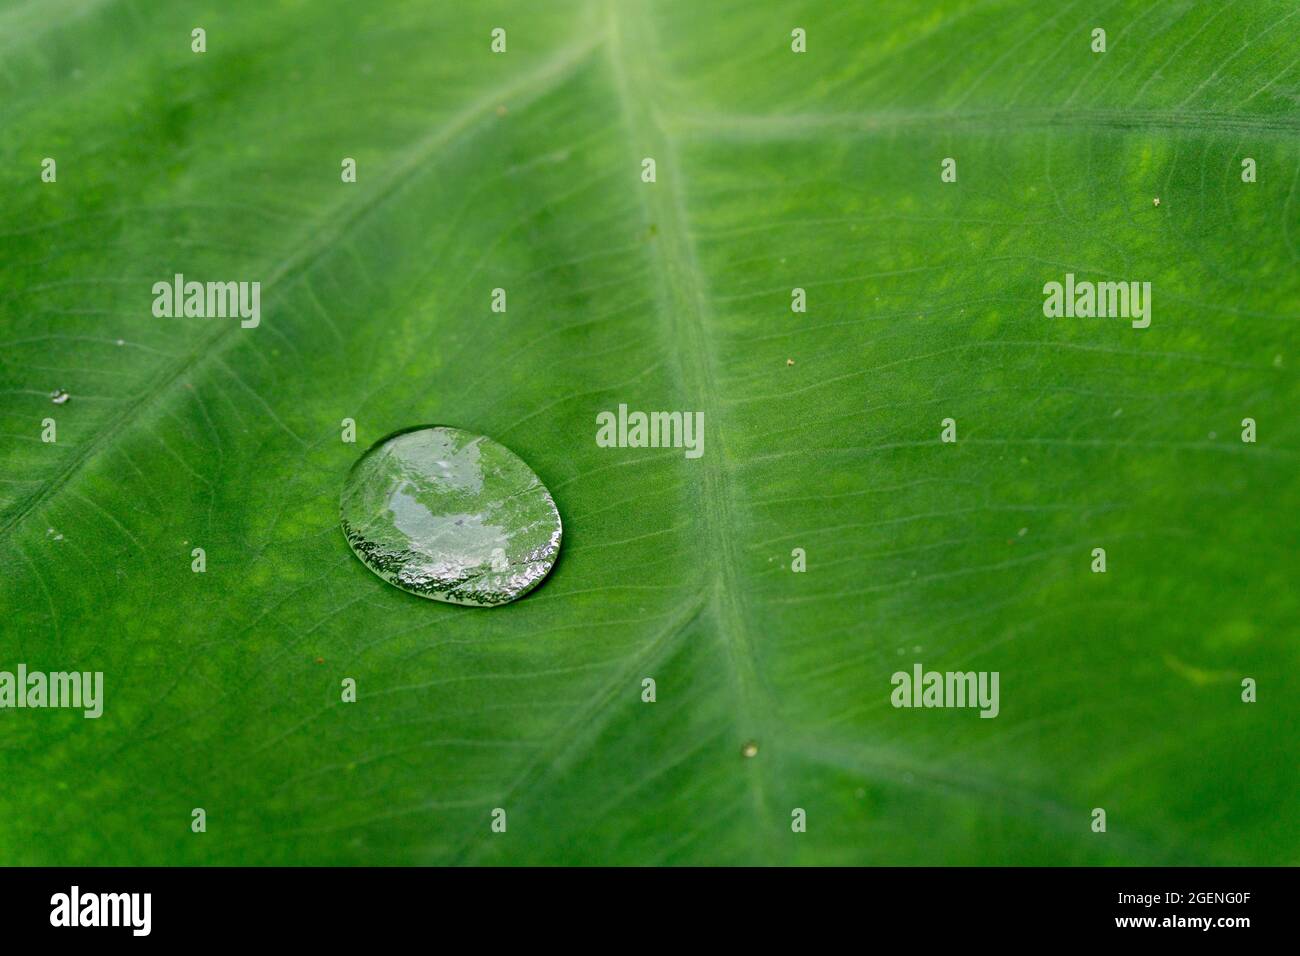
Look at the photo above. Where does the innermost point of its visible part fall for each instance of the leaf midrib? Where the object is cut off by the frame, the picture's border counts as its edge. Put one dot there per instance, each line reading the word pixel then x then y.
pixel 685 310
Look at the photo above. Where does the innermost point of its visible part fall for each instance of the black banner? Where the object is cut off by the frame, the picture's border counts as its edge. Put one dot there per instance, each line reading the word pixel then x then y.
pixel 337 905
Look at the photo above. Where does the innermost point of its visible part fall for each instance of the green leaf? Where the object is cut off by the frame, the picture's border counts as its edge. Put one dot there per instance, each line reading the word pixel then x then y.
pixel 774 170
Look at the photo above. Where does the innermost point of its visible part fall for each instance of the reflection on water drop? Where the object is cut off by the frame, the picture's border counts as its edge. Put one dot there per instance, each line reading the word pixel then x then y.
pixel 450 516
pixel 59 396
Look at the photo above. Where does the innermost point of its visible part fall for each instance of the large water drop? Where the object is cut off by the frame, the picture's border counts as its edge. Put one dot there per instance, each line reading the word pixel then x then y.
pixel 450 516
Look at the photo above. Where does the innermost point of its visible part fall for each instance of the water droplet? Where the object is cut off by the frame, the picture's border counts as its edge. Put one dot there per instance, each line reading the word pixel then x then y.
pixel 749 750
pixel 450 516
pixel 59 396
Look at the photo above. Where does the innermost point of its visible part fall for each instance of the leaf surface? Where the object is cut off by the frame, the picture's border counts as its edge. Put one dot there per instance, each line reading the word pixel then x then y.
pixel 775 170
